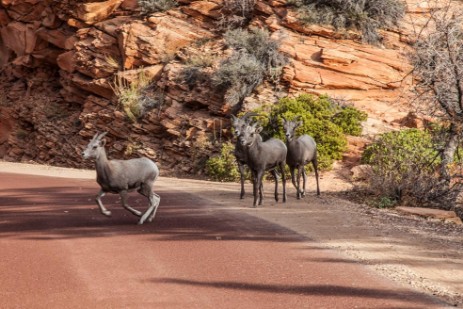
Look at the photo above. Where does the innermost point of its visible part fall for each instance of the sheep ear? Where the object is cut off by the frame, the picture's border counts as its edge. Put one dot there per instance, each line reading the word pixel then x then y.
pixel 259 129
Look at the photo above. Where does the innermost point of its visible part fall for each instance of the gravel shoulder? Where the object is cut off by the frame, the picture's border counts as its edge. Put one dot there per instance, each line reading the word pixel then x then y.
pixel 413 251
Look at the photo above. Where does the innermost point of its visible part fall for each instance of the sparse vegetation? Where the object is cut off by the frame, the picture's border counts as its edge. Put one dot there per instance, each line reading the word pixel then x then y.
pixel 194 71
pixel 366 16
pixel 112 63
pixel 236 13
pixel 131 95
pixel 153 6
pixel 437 61
pixel 255 58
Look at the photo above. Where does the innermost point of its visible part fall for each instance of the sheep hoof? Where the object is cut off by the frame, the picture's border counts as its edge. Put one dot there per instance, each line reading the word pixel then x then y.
pixel 107 213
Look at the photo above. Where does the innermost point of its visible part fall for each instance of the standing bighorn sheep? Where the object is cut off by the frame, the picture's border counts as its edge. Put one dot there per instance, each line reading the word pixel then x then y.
pixel 262 156
pixel 301 150
pixel 239 123
pixel 122 176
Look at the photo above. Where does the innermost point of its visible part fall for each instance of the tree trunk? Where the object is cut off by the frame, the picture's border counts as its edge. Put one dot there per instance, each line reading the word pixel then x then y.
pixel 449 151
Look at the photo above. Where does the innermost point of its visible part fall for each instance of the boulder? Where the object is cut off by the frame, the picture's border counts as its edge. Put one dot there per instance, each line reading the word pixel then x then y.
pixel 444 215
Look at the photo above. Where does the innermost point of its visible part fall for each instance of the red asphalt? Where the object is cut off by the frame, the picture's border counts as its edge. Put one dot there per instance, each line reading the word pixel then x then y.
pixel 58 251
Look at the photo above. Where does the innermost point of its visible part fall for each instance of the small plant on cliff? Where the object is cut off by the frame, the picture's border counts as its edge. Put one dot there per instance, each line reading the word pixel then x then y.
pixel 153 6
pixel 130 95
pixel 366 16
pixel 197 68
pixel 255 58
pixel 236 13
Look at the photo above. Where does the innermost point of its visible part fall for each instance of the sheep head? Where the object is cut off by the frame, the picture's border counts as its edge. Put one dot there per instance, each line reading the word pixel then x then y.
pixel 95 146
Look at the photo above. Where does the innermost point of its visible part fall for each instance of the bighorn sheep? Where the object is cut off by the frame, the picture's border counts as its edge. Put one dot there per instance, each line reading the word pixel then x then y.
pixel 122 176
pixel 262 156
pixel 301 151
pixel 239 123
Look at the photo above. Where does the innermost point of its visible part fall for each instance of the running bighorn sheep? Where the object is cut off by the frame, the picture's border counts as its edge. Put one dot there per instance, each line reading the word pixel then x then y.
pixel 262 156
pixel 122 176
pixel 239 123
pixel 301 150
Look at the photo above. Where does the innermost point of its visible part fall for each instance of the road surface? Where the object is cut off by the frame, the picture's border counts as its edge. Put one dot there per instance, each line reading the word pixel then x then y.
pixel 58 251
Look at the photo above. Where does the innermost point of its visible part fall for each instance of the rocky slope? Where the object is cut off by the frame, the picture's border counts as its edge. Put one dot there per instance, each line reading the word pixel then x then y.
pixel 57 59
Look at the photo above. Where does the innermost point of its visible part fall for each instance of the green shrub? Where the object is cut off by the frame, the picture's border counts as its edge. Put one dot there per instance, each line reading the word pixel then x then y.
pixel 317 114
pixel 350 119
pixel 404 168
pixel 395 150
pixel 223 167
pixel 366 16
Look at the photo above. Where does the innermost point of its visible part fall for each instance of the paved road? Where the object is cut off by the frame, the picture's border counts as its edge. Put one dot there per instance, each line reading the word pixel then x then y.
pixel 58 251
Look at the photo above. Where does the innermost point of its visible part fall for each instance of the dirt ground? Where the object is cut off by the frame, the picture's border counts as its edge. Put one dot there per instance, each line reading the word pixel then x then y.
pixel 424 254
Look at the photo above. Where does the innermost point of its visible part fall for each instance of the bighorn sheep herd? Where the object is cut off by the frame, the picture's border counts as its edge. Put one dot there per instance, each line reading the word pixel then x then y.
pixel 122 176
pixel 261 156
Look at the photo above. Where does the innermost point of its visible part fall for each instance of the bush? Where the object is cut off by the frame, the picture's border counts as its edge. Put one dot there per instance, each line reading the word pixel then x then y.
pixel 403 169
pixel 255 58
pixel 363 15
pixel 132 96
pixel 317 114
pixel 153 6
pixel 223 167
pixel 350 119
pixel 236 13
pixel 238 76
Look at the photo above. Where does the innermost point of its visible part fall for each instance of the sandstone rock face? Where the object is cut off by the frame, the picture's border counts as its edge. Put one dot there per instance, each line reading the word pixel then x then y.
pixel 58 61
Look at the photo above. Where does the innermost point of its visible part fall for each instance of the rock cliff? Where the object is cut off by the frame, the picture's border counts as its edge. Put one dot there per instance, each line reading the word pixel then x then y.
pixel 57 60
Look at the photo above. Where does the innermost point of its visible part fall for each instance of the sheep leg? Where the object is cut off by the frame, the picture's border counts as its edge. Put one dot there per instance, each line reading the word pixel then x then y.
pixel 151 211
pixel 256 186
pixel 123 195
pixel 275 175
pixel 315 167
pixel 103 210
pixel 293 179
pixel 242 174
pixel 156 199
pixel 283 180
pixel 299 174
pixel 304 177
pixel 261 189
